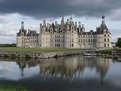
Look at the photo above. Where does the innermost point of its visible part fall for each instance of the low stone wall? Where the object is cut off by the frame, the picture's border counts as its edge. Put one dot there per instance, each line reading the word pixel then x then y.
pixel 38 55
pixel 116 53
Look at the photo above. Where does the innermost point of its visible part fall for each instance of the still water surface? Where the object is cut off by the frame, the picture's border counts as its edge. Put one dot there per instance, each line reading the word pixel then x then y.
pixel 76 73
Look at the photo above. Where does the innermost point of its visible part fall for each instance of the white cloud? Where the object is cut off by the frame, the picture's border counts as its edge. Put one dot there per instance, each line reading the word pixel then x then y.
pixel 7 39
pixel 116 33
pixel 11 24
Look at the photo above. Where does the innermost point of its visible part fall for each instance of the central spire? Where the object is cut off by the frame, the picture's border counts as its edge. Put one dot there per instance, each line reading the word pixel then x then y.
pixel 103 25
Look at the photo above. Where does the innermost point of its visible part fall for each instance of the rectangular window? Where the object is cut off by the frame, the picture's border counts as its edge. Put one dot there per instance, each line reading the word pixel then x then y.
pixel 93 40
pixel 105 40
pixel 88 40
pixel 104 45
pixel 83 40
pixel 104 35
pixel 72 40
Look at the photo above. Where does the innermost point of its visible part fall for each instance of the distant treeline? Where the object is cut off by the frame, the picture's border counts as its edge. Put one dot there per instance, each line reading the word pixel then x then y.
pixel 8 45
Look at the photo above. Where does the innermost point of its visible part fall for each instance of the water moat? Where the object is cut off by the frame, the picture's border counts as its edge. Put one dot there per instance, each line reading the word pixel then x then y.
pixel 77 73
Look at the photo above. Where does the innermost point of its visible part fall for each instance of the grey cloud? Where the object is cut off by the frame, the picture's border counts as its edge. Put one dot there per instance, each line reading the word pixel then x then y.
pixel 6 34
pixel 115 34
pixel 58 8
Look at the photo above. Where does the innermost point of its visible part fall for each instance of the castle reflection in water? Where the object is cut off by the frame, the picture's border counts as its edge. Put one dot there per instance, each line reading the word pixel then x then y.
pixel 69 67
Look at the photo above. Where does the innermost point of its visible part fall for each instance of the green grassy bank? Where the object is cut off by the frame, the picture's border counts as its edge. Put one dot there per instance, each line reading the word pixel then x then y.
pixel 34 50
pixel 106 51
pixel 12 88
pixel 109 51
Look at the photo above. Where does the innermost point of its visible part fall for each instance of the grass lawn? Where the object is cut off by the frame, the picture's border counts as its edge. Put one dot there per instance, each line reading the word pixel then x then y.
pixel 34 50
pixel 106 51
pixel 12 88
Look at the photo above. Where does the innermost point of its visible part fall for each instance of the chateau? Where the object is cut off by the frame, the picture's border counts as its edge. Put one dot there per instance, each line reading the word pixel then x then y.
pixel 67 34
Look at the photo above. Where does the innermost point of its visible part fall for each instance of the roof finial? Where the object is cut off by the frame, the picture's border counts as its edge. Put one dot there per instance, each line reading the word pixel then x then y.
pixel 22 25
pixel 103 19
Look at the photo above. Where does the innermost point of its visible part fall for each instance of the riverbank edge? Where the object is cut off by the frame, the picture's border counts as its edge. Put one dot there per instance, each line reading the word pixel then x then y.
pixel 41 55
pixel 110 53
pixel 46 55
pixel 56 53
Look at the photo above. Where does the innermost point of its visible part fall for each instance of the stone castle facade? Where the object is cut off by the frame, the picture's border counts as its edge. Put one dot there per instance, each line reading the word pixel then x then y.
pixel 65 35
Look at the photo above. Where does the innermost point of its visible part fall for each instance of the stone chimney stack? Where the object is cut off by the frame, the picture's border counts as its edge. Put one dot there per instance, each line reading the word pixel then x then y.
pixel 44 23
pixel 70 19
pixel 62 21
pixel 83 28
pixel 67 21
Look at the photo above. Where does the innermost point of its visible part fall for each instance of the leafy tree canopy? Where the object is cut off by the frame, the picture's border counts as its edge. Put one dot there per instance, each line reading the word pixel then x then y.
pixel 118 43
pixel 8 45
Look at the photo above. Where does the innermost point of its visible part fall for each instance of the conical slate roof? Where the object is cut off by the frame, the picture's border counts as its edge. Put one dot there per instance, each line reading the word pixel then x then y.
pixel 103 26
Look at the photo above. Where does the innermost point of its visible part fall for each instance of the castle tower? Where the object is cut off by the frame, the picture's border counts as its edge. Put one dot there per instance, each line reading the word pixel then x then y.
pixel 44 26
pixel 40 27
pixel 79 26
pixel 62 21
pixel 103 26
pixel 83 28
pixel 44 23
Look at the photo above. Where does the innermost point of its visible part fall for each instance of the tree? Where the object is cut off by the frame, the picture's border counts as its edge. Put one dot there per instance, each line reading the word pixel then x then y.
pixel 8 45
pixel 118 43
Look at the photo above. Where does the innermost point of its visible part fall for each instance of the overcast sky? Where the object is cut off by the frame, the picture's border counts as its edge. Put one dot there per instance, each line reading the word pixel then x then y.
pixel 32 12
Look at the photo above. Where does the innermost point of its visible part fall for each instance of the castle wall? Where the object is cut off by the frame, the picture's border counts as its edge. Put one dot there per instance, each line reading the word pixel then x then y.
pixel 99 41
pixel 87 41
pixel 65 35
pixel 45 40
pixel 19 41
